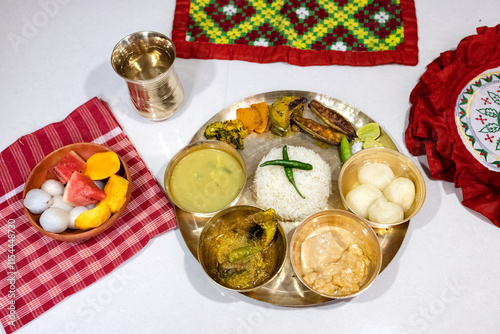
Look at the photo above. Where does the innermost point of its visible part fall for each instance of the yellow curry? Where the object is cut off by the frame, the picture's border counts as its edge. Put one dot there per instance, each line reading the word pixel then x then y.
pixel 206 180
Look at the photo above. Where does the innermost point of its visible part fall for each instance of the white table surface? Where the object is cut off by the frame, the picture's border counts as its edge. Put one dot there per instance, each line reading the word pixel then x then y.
pixel 445 277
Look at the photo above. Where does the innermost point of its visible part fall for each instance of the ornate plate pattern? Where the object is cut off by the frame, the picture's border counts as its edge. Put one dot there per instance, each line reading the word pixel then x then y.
pixel 477 116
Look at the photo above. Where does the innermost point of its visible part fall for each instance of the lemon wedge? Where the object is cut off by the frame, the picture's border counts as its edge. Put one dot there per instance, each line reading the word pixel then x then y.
pixel 370 130
pixel 370 142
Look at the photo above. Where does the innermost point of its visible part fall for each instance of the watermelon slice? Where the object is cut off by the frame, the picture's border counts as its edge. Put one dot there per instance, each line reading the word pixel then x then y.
pixel 82 191
pixel 70 163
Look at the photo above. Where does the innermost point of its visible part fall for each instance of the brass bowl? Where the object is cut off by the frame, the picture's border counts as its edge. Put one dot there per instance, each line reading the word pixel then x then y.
pixel 41 173
pixel 207 252
pixel 357 228
pixel 400 164
pixel 202 145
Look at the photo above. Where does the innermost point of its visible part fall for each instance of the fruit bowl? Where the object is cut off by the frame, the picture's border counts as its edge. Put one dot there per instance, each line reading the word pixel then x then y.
pixel 42 173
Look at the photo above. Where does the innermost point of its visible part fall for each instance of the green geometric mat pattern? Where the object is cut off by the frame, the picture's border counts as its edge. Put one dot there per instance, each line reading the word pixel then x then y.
pixel 342 25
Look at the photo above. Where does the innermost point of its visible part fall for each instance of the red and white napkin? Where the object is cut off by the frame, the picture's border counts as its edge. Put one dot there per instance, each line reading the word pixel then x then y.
pixel 36 271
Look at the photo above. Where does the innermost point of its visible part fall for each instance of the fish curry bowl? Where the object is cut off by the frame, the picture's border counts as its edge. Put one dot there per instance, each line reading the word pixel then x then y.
pixel 242 248
pixel 77 192
pixel 382 186
pixel 205 177
pixel 335 254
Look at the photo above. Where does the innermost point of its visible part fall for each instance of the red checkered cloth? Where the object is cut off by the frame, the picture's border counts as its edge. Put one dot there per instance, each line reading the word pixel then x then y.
pixel 43 271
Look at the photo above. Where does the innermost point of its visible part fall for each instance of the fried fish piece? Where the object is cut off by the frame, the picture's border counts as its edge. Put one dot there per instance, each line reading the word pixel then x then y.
pixel 333 119
pixel 319 131
pixel 282 111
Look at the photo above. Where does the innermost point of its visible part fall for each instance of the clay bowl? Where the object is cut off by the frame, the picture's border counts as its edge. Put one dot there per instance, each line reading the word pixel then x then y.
pixel 41 173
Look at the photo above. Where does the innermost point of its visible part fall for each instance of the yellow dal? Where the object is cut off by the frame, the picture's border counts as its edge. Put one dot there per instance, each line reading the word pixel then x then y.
pixel 206 180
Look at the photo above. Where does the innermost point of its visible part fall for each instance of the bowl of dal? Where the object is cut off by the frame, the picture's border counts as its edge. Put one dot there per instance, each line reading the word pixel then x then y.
pixel 205 177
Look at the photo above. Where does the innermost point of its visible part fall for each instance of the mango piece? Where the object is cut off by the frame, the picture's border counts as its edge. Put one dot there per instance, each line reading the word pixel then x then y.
pixel 93 218
pixel 102 165
pixel 263 110
pixel 116 191
pixel 250 117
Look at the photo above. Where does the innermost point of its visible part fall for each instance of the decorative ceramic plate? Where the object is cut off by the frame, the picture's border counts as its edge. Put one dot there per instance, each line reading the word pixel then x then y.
pixel 286 289
pixel 477 115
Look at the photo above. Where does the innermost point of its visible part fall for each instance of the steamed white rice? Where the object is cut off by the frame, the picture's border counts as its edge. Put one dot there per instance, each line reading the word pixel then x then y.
pixel 273 190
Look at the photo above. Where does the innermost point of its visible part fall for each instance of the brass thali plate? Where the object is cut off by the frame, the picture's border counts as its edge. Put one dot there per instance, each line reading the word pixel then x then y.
pixel 286 289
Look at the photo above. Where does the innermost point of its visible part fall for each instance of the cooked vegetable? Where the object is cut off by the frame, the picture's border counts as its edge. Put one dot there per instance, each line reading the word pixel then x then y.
pixel 345 149
pixel 255 118
pixel 333 119
pixel 318 131
pixel 263 110
pixel 282 111
pixel 288 163
pixel 250 117
pixel 289 171
pixel 231 132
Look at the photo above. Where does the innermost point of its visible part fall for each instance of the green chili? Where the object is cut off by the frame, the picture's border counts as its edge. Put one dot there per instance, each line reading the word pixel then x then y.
pixel 242 253
pixel 289 171
pixel 288 163
pixel 345 149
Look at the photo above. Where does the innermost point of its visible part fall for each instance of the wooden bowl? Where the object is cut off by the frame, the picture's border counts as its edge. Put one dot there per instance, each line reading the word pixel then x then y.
pixel 42 173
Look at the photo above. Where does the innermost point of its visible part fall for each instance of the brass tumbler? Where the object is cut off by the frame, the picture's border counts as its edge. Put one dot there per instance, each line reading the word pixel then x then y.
pixel 145 60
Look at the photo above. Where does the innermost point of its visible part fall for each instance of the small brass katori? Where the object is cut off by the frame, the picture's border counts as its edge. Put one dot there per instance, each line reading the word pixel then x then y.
pixel 145 60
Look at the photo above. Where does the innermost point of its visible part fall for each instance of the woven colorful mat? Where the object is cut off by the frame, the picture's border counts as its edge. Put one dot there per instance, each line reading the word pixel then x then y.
pixel 300 32
pixel 37 272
